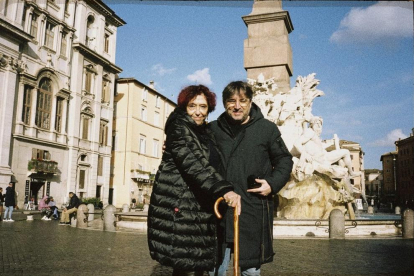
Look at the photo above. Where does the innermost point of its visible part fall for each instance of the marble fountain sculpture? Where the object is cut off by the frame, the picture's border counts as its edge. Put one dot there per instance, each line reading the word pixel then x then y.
pixel 320 180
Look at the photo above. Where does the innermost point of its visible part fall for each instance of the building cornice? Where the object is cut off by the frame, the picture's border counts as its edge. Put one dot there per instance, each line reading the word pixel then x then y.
pixel 107 12
pixel 29 79
pixel 39 141
pixel 133 80
pixel 404 141
pixel 269 17
pixel 14 31
pixel 90 54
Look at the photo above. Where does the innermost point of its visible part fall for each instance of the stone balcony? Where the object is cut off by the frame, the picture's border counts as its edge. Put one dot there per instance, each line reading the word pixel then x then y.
pixel 43 166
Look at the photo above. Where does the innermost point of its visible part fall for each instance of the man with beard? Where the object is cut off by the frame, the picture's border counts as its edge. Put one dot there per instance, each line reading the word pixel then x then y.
pixel 253 149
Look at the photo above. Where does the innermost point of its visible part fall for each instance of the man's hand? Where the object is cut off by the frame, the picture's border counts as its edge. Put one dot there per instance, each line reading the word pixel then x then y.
pixel 263 190
pixel 232 199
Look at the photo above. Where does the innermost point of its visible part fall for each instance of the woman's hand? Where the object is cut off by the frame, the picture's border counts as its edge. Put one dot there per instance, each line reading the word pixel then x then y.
pixel 232 199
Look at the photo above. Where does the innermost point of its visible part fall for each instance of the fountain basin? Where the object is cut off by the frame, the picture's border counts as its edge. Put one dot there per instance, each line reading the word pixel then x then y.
pixel 363 227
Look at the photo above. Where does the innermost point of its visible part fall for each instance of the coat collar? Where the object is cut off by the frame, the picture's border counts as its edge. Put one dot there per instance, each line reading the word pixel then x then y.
pixel 255 115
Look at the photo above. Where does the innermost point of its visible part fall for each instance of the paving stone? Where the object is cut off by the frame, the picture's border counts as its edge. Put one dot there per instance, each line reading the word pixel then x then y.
pixel 45 248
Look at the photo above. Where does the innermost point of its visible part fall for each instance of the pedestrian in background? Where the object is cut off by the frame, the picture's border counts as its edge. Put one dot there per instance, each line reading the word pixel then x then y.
pixel 44 208
pixel 9 202
pixel 258 164
pixel 181 221
pixel 74 203
pixel 1 202
pixel 53 208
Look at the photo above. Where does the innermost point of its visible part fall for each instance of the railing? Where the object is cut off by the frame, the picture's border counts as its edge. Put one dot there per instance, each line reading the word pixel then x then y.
pixel 45 166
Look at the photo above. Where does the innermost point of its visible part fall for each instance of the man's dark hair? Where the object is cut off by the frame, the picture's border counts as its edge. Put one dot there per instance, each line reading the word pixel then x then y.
pixel 71 193
pixel 236 87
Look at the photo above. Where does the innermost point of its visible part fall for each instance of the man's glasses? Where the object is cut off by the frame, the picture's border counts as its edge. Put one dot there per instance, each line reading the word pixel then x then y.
pixel 242 102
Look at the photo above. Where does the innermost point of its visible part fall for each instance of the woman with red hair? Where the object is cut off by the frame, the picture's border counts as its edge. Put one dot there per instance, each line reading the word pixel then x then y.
pixel 181 222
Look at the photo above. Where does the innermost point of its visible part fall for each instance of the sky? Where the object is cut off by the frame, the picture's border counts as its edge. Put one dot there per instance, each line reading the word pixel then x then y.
pixel 361 51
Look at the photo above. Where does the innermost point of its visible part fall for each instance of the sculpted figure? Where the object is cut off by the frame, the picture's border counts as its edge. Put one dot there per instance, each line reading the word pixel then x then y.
pixel 314 157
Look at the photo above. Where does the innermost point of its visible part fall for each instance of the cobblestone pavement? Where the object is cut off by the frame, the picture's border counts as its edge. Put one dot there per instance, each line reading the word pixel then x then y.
pixel 46 248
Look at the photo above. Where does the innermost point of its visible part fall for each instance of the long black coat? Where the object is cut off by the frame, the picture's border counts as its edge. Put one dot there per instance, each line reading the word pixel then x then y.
pixel 257 150
pixel 9 197
pixel 181 222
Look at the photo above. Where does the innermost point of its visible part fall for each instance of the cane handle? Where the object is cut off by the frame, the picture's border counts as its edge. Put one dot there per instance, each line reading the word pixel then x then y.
pixel 216 205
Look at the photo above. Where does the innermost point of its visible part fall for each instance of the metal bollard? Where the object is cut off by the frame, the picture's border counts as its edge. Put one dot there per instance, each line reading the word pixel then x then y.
pixel 408 224
pixel 125 208
pixel 91 209
pixel 370 209
pixel 81 221
pixel 109 218
pixel 397 210
pixel 336 225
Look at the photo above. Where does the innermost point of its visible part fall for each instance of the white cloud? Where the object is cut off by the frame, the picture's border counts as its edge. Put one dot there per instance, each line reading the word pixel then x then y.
pixel 159 70
pixel 201 77
pixel 383 20
pixel 389 140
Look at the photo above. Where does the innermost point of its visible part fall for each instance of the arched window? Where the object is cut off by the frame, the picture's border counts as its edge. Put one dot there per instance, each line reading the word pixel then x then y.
pixel 86 119
pixel 90 31
pixel 44 104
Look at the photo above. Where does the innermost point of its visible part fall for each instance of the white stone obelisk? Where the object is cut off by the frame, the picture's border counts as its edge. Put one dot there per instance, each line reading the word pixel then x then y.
pixel 267 49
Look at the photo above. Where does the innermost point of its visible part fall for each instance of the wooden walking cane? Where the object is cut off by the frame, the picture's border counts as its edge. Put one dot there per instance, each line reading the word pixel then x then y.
pixel 236 270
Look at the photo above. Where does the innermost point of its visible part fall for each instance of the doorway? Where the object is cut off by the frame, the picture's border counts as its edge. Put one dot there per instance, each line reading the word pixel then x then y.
pixel 37 190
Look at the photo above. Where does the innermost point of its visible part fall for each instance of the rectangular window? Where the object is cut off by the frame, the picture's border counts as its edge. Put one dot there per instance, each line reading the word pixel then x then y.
pixel 44 100
pixel 27 105
pixel 33 26
pixel 105 92
pixel 113 142
pixel 82 176
pixel 88 81
pixel 41 154
pixel 24 16
pixel 106 43
pixel 144 113
pixel 58 122
pixel 142 144
pixel 157 101
pixel 63 44
pixel 100 166
pixel 157 119
pixel 144 94
pixel 103 133
pixel 66 5
pixel 85 128
pixel 50 35
pixel 167 109
pixel 155 148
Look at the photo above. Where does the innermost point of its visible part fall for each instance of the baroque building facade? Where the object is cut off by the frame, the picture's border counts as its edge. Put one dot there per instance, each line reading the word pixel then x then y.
pixel 389 171
pixel 357 158
pixel 373 186
pixel 405 171
pixel 58 84
pixel 139 120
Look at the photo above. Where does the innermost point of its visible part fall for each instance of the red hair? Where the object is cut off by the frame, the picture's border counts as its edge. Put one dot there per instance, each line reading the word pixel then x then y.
pixel 190 92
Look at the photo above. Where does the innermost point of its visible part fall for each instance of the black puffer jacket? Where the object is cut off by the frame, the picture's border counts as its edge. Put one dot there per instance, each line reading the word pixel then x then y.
pixel 181 222
pixel 257 150
pixel 9 197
